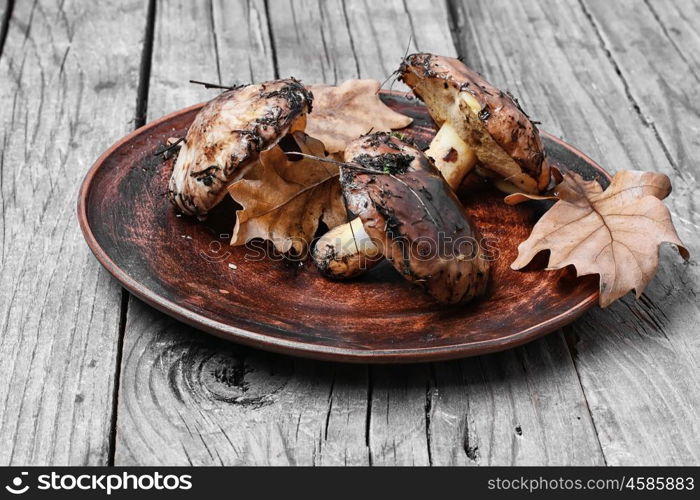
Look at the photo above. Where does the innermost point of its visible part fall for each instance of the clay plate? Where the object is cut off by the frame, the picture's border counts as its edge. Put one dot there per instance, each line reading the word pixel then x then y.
pixel 181 267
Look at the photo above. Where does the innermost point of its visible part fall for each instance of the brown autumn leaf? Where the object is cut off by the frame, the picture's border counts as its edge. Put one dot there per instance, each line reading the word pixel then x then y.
pixel 284 200
pixel 614 233
pixel 343 113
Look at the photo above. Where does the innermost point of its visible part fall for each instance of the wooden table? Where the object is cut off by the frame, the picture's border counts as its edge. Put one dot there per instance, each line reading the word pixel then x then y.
pixel 91 375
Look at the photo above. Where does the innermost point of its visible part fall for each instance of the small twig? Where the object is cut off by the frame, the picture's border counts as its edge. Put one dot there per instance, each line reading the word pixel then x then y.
pixel 215 85
pixel 396 72
pixel 408 46
pixel 172 146
pixel 350 165
pixel 391 75
pixel 296 195
pixel 355 166
pixel 420 200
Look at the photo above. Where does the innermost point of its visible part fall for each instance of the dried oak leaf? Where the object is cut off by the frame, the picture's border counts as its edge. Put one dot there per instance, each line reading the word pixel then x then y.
pixel 615 233
pixel 343 113
pixel 284 200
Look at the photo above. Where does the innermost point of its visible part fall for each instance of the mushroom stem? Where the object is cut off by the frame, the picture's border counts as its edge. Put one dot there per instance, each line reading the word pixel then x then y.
pixel 502 184
pixel 451 155
pixel 346 251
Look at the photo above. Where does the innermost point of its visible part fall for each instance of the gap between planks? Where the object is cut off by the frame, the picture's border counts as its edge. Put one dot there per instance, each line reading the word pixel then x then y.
pixel 646 121
pixel 140 114
pixel 7 7
pixel 273 43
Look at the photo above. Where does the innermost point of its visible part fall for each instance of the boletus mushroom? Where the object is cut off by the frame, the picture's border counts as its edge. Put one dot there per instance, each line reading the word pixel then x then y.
pixel 476 118
pixel 411 216
pixel 227 136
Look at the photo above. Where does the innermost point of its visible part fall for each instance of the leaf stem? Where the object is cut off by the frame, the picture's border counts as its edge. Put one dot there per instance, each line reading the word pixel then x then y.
pixel 296 195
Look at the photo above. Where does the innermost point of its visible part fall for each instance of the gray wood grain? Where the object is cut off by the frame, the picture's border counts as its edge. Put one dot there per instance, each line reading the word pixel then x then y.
pixel 678 21
pixel 605 77
pixel 5 14
pixel 521 407
pixel 184 48
pixel 187 398
pixel 244 48
pixel 67 91
pixel 668 317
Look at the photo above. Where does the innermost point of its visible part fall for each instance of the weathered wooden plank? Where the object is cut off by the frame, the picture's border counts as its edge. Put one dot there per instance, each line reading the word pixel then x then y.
pixel 637 361
pixel 186 398
pixel 150 426
pixel 670 312
pixel 382 33
pixel 194 409
pixel 679 21
pixel 312 41
pixel 520 407
pixel 333 41
pixel 398 425
pixel 668 100
pixel 62 101
pixel 184 48
pixel 243 43
pixel 5 14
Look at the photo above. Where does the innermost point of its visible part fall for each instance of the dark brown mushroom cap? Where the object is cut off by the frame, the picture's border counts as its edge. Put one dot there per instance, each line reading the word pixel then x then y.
pixel 227 136
pixel 439 81
pixel 414 217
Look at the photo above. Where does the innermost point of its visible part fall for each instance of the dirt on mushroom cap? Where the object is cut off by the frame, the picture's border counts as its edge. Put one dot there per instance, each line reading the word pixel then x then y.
pixel 415 220
pixel 227 136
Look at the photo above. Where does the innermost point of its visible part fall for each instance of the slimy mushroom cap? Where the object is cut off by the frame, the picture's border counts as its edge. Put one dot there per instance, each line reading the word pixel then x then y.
pixel 413 217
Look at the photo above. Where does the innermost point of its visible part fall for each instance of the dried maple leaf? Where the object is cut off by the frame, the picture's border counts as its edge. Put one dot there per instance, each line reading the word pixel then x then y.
pixel 614 233
pixel 284 200
pixel 343 113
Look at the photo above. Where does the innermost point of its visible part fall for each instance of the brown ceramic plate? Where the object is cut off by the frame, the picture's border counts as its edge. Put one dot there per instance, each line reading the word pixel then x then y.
pixel 181 266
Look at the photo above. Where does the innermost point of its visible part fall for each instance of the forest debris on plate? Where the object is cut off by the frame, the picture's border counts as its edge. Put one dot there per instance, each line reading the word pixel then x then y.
pixel 284 198
pixel 613 233
pixel 344 113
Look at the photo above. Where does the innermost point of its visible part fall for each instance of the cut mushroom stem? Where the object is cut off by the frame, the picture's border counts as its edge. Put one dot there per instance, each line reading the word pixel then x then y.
pixel 502 184
pixel 346 251
pixel 451 155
